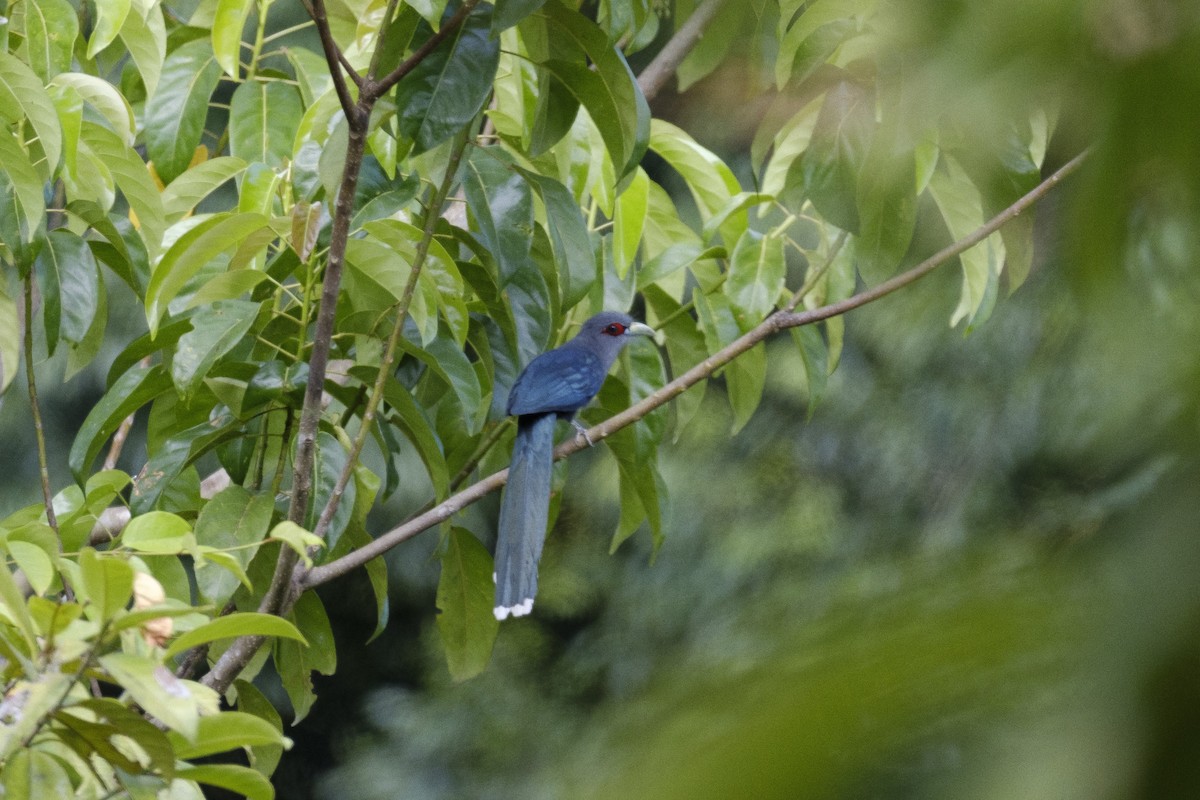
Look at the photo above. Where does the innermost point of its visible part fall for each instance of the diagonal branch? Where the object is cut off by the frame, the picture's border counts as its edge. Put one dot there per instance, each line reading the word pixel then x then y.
pixel 659 71
pixel 334 56
pixel 773 324
pixel 449 27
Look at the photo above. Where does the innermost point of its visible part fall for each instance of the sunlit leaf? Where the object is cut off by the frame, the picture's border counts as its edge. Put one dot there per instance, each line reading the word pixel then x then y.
pixel 464 599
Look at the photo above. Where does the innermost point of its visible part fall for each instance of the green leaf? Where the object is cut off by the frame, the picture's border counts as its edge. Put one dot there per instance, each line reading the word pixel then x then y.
pixel 134 180
pixel 411 420
pixel 607 89
pixel 176 114
pixel 568 237
pixel 450 86
pixel 157 532
pixel 195 249
pixel 263 757
pixel 146 39
pixel 10 339
pixel 216 329
pixel 228 22
pixel 815 355
pixel 104 98
pixel 22 97
pixel 501 203
pixel 711 182
pixel 714 45
pixel 789 143
pixel 834 159
pixel 130 392
pixel 510 12
pixel 685 348
pixel 757 269
pixel 233 777
pixel 887 204
pixel 185 192
pixel 22 205
pixel 174 702
pixel 122 721
pixel 745 376
pixel 110 17
pixel 330 462
pixel 464 600
pixel 50 30
pixel 962 208
pixel 34 562
pixel 228 730
pixel 231 520
pixel 453 369
pixel 13 608
pixel 70 283
pixel 107 584
pixel 628 222
pixel 263 119
pixel 231 627
pixel 296 663
pixel 35 773
pixel 297 538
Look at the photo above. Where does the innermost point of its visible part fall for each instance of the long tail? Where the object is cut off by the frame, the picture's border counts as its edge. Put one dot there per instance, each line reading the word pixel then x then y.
pixel 523 514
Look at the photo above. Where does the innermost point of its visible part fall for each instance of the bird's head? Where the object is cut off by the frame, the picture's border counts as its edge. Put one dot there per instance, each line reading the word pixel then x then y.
pixel 614 324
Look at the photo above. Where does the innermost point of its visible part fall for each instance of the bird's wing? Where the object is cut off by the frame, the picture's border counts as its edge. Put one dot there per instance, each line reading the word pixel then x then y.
pixel 562 380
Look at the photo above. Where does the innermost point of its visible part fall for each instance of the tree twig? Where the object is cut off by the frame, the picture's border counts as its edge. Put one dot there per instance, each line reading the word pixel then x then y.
pixel 659 71
pixel 451 25
pixel 39 432
pixel 773 324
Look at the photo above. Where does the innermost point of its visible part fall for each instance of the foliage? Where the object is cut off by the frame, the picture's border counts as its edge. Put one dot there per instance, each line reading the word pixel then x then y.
pixel 310 307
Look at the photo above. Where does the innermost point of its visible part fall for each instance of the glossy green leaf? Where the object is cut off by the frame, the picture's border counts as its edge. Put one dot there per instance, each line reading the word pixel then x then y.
pixel 146 39
pixel 107 584
pixel 176 451
pixel 568 236
pixel 70 282
pixel 711 182
pixel 410 418
pixel 312 73
pixel 243 781
pixel 451 85
pixel 35 773
pixel 22 97
pixel 788 145
pixel 174 702
pixel 185 192
pixel 629 220
pixel 962 208
pixel 105 98
pixel 10 339
pixel 330 462
pixel 510 12
pixel 134 180
pixel 887 205
pixel 230 19
pixel 22 206
pixel 196 248
pixel 745 376
pixel 815 355
pixel 229 730
pixel 50 30
pixel 607 89
pixel 250 699
pixel 296 662
pixel 34 562
pixel 835 156
pixel 216 329
pixel 263 119
pixel 452 367
pixel 297 538
pixel 232 626
pixel 122 721
pixel 685 349
pixel 376 280
pixel 110 18
pixel 157 532
pixel 714 45
pixel 464 600
pixel 128 393
pixel 757 270
pixel 176 114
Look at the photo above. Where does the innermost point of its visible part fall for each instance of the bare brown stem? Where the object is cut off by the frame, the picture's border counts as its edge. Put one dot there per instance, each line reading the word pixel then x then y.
pixel 773 324
pixel 659 71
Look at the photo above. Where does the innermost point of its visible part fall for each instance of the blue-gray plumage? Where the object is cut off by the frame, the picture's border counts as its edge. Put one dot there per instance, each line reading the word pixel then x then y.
pixel 555 384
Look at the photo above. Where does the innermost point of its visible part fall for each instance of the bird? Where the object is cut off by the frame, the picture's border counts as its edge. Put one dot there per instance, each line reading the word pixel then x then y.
pixel 552 386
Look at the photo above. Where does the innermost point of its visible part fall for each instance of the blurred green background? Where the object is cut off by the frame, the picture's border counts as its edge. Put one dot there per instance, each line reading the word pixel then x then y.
pixel 971 571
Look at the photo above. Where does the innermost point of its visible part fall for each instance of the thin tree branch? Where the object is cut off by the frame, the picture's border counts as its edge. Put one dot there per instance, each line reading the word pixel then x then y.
pixel 39 432
pixel 773 324
pixel 659 71
pixel 451 25
pixel 334 57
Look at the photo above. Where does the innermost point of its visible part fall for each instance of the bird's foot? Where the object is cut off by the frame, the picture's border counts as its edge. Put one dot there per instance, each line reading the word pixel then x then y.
pixel 581 432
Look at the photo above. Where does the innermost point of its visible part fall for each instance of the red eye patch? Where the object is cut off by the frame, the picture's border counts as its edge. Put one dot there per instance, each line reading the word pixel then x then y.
pixel 615 329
